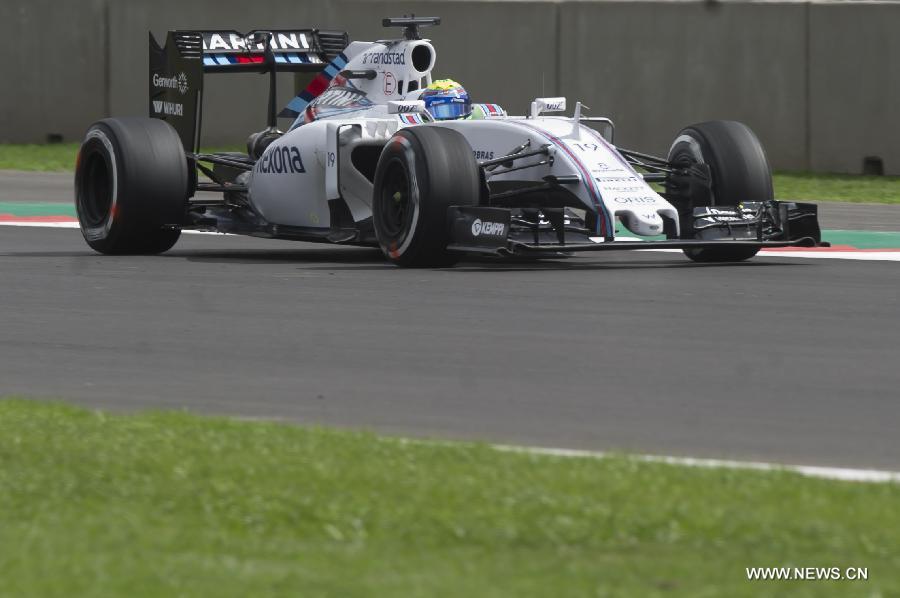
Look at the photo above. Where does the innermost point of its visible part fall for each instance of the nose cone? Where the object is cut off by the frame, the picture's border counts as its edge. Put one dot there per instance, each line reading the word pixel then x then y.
pixel 645 223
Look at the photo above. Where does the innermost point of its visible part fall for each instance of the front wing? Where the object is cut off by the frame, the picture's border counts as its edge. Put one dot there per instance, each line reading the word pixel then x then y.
pixel 495 231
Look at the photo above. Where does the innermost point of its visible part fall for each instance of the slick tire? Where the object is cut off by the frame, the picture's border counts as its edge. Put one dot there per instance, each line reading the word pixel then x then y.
pixel 131 180
pixel 739 169
pixel 421 172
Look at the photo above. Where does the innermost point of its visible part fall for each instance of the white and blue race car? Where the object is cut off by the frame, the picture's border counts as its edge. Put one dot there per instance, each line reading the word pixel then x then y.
pixel 365 163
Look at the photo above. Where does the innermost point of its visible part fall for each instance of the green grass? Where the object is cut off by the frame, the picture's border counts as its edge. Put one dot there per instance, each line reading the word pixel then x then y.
pixel 167 504
pixel 788 185
pixel 56 157
pixel 837 187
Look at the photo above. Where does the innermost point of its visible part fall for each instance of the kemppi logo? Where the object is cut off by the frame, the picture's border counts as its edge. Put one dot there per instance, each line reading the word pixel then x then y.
pixel 493 229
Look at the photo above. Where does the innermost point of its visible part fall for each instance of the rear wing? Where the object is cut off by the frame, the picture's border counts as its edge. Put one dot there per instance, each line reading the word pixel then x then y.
pixel 177 68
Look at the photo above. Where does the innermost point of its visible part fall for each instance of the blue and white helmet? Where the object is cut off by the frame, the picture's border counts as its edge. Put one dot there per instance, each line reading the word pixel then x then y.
pixel 446 99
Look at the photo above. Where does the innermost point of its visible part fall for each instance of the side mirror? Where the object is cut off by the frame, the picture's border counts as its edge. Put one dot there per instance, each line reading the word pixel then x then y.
pixel 540 105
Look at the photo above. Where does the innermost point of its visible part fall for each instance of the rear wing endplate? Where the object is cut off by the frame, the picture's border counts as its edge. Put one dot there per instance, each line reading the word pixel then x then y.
pixel 177 68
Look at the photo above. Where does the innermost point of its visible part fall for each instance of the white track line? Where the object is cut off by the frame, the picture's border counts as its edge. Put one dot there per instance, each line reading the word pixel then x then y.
pixel 862 254
pixel 830 473
pixel 39 224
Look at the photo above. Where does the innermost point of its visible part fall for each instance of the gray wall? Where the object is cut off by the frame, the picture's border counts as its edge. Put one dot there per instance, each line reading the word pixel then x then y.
pixel 655 67
pixel 854 90
pixel 53 68
pixel 818 81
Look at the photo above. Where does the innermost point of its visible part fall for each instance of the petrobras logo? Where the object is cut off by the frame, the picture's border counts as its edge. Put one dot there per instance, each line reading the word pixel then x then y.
pixel 179 82
pixel 491 229
pixel 483 155
pixel 384 58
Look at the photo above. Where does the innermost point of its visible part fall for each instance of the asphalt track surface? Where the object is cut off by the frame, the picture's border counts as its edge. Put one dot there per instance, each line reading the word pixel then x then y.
pixel 779 359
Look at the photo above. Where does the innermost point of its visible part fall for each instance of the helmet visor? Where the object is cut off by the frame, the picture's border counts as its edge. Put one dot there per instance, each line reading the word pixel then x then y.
pixel 450 110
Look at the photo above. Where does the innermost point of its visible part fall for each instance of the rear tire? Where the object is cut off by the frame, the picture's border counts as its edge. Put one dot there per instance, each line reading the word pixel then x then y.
pixel 131 179
pixel 739 169
pixel 422 171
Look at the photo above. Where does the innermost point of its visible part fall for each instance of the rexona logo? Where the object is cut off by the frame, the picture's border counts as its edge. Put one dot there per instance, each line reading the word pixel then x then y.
pixel 179 82
pixel 281 160
pixel 493 229
pixel 168 108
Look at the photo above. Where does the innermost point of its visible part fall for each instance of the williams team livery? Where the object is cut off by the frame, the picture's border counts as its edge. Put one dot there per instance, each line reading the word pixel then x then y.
pixel 377 151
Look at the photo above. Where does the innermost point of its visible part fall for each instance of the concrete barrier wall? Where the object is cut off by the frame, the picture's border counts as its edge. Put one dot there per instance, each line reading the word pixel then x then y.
pixel 854 100
pixel 654 67
pixel 817 81
pixel 54 68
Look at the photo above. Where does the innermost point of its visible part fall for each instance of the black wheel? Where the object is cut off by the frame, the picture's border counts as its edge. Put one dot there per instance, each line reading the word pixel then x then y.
pixel 131 179
pixel 421 172
pixel 739 171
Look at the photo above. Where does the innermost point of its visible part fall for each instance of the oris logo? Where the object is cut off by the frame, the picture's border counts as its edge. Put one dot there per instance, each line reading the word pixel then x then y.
pixel 493 229
pixel 639 200
pixel 179 82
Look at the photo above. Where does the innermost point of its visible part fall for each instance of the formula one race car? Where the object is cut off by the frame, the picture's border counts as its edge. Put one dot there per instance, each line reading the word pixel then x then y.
pixel 365 163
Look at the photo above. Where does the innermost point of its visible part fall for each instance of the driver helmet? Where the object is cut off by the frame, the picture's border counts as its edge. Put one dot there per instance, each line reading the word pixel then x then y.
pixel 446 99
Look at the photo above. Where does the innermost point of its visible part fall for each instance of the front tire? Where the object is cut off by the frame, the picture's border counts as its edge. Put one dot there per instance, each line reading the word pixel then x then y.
pixel 422 171
pixel 739 171
pixel 131 180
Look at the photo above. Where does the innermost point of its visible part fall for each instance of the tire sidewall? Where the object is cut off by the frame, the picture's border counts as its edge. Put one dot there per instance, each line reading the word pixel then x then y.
pixel 147 180
pixel 738 165
pixel 97 145
pixel 401 152
pixel 441 171
pixel 739 172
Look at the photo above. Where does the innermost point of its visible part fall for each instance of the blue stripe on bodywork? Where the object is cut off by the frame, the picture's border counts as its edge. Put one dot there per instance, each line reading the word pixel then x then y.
pixel 590 183
pixel 299 103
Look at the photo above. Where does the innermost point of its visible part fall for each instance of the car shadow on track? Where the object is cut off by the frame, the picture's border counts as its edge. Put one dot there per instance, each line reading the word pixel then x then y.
pixel 362 258
pixel 365 258
pixel 606 265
